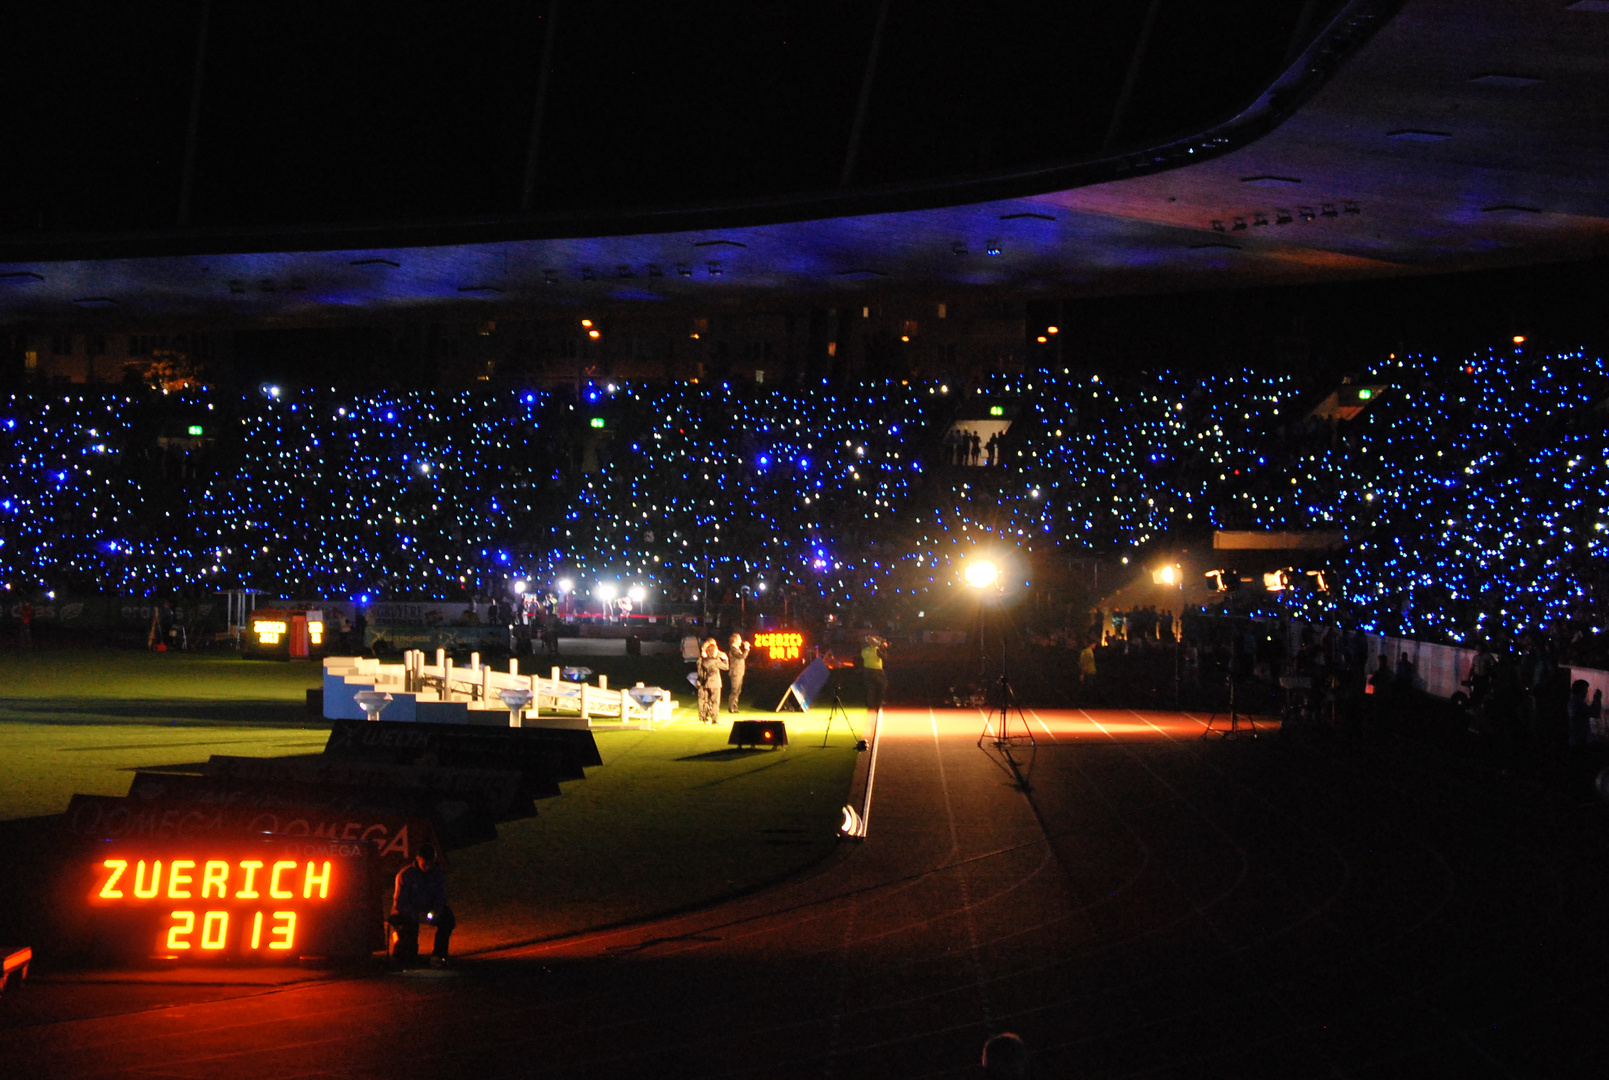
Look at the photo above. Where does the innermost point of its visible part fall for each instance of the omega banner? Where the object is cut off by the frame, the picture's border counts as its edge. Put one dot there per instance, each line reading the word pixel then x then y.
pixel 216 899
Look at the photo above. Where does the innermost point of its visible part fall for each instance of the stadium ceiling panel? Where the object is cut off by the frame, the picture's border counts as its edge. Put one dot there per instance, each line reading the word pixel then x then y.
pixel 837 151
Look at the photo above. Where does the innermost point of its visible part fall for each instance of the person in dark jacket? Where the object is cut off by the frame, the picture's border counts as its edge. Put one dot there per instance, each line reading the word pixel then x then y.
pixel 711 662
pixel 421 897
pixel 737 659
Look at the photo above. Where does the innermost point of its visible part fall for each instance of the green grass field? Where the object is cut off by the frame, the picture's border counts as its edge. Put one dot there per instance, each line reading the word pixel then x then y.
pixel 674 818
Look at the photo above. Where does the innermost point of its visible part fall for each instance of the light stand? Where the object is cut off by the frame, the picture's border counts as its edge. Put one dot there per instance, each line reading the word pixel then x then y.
pixel 998 730
pixel 997 726
pixel 1235 716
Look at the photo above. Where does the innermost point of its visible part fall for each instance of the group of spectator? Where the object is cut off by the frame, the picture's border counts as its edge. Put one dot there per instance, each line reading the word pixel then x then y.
pixel 962 446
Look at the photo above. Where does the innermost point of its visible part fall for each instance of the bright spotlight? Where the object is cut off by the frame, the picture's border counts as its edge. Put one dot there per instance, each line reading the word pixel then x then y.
pixel 605 591
pixel 1167 575
pixel 980 573
pixel 637 593
pixel 520 586
pixel 565 584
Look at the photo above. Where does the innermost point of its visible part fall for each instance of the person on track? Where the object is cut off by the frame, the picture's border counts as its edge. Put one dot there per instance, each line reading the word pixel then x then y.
pixel 421 898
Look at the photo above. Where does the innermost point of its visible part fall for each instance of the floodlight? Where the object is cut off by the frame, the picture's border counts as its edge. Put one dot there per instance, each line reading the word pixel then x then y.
pixel 520 586
pixel 605 591
pixel 1166 575
pixel 565 585
pixel 980 573
pixel 637 593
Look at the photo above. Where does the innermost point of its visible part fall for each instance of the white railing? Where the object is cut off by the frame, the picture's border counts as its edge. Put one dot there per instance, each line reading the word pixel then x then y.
pixel 476 686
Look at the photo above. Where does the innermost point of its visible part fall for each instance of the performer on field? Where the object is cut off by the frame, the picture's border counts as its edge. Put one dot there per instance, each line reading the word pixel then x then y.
pixel 711 662
pixel 737 659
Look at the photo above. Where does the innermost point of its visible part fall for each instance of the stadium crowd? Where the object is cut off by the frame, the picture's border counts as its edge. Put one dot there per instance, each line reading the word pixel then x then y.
pixel 1472 493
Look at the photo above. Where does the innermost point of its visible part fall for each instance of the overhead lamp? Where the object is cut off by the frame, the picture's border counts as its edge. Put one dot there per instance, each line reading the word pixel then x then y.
pixel 980 573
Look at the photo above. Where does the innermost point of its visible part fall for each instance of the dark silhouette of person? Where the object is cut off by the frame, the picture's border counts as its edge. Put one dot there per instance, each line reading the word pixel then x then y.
pixel 420 897
pixel 1005 1055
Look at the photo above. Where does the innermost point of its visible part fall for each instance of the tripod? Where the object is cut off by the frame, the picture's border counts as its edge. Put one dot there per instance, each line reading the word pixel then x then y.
pixel 1235 717
pixel 997 726
pixel 836 711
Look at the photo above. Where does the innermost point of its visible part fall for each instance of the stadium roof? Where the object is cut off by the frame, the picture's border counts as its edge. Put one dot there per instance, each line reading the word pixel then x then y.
pixel 1401 139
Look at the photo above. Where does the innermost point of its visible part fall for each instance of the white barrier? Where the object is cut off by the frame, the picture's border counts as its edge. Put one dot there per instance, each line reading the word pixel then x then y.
pixel 446 692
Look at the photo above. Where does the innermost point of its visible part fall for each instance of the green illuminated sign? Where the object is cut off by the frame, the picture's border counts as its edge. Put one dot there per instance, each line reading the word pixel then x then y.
pixel 997 410
pixel 195 429
pixel 597 421
pixel 1365 394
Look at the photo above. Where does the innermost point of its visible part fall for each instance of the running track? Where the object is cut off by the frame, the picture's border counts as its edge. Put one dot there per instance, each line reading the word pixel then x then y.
pixel 1158 904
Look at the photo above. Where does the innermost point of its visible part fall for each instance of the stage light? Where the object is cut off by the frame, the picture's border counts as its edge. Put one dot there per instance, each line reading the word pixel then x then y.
pixel 637 593
pixel 605 591
pixel 565 585
pixel 1275 581
pixel 1052 329
pixel 587 323
pixel 980 573
pixel 1167 575
pixel 1519 339
pixel 593 334
pixel 520 586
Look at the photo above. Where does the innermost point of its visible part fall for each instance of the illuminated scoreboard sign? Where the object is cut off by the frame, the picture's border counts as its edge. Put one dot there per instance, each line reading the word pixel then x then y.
pixel 269 631
pixel 263 902
pixel 780 645
pixel 295 633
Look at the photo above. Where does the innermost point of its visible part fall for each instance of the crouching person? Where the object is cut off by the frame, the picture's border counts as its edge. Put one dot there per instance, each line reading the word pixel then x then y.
pixel 421 898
